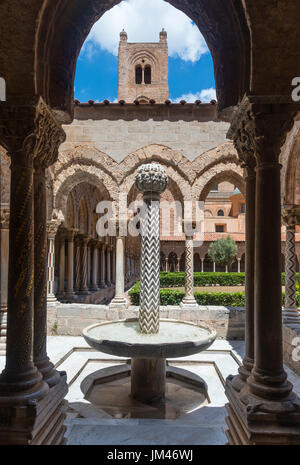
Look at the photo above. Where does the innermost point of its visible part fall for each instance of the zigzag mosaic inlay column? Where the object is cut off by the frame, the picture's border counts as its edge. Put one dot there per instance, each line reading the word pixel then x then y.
pixel 151 180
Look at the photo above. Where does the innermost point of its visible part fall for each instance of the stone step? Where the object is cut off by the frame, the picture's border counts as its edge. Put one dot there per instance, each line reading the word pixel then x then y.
pixel 141 432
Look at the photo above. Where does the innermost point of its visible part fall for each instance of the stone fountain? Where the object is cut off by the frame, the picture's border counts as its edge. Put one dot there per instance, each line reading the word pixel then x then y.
pixel 148 341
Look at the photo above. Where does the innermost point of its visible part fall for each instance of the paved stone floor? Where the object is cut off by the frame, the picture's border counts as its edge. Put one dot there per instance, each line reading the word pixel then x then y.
pixel 88 424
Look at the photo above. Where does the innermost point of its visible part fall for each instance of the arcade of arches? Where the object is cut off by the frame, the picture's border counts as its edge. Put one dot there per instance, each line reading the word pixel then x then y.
pixel 65 157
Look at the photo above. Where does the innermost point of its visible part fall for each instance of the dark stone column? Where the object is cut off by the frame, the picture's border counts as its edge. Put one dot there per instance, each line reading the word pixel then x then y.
pixel 84 287
pixel 4 251
pixel 41 360
pixel 265 410
pixel 31 412
pixel 248 361
pixel 21 377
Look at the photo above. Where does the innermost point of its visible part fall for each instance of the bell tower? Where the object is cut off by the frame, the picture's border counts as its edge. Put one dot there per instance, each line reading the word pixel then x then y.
pixel 143 70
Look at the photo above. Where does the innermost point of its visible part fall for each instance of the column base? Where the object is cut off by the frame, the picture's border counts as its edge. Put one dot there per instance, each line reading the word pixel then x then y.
pixel 189 303
pixel 253 420
pixel 35 422
pixel 118 303
pixel 52 300
pixel 83 292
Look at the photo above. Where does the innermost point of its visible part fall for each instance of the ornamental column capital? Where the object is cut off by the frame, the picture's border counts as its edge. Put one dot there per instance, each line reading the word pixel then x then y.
pixel 53 224
pixel 291 215
pixel 259 127
pixel 4 216
pixel 30 131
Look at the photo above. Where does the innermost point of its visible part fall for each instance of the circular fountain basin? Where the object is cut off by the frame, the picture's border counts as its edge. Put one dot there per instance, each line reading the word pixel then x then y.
pixel 175 339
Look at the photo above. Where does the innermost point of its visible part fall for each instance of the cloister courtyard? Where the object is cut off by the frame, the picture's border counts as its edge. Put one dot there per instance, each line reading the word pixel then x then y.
pixel 121 321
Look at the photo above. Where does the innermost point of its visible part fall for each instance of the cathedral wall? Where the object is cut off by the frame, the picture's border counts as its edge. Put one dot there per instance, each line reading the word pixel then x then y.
pixel 119 130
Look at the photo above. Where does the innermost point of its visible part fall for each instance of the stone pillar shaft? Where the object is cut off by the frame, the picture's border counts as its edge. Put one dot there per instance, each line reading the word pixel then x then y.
pixel 62 265
pixel 189 298
pixel 77 265
pixel 95 268
pixel 20 373
pixel 4 256
pixel 119 299
pixel 102 267
pixel 290 268
pixel 70 281
pixel 40 357
pixel 108 268
pixel 84 266
pixel 268 369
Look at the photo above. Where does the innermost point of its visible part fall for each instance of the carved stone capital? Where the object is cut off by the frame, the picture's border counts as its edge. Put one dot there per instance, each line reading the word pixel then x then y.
pixel 30 131
pixel 53 224
pixel 291 215
pixel 259 128
pixel 4 217
pixel 151 177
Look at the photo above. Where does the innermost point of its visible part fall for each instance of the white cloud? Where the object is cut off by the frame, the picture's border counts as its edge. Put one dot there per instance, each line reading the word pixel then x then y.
pixel 143 20
pixel 205 95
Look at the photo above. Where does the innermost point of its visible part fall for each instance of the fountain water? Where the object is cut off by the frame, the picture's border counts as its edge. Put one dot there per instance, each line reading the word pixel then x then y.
pixel 149 341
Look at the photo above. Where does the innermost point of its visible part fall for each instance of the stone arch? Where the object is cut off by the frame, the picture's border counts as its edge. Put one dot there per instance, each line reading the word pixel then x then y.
pixel 57 47
pixel 157 154
pixel 222 172
pixel 63 185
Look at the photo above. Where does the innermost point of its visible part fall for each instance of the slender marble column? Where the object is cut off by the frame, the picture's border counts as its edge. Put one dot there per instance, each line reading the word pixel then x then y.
pixel 89 265
pixel 84 265
pixel 52 228
pixel 167 264
pixel 290 313
pixel 20 374
pixel 202 265
pixel 77 265
pixel 239 265
pixel 214 267
pixel 189 300
pixel 70 283
pixel 40 357
pixel 108 268
pixel 119 300
pixel 62 266
pixel 102 266
pixel 95 264
pixel 113 264
pixel 4 250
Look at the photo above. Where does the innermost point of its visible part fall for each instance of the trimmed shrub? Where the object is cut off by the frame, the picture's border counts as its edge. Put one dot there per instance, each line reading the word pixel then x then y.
pixel 202 279
pixel 174 297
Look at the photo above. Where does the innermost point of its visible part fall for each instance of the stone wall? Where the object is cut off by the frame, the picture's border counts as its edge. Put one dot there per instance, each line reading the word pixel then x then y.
pixel 71 319
pixel 119 130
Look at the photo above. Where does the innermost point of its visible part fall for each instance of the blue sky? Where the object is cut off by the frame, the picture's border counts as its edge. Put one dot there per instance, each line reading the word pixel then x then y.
pixel 191 74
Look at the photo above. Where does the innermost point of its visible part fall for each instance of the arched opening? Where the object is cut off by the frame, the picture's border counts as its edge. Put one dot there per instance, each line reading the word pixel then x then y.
pixel 173 262
pixel 197 262
pixel 220 212
pixel 147 75
pixel 138 75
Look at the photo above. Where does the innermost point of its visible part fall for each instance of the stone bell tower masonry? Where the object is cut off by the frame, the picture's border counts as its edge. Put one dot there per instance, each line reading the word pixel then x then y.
pixel 143 70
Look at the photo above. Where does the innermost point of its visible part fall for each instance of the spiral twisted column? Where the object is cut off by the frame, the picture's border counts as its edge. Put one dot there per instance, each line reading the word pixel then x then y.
pixel 151 180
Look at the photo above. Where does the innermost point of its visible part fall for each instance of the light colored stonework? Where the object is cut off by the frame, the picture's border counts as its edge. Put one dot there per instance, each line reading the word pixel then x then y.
pixel 151 56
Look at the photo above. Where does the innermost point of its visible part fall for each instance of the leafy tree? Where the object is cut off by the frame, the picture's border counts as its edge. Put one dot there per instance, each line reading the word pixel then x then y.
pixel 223 251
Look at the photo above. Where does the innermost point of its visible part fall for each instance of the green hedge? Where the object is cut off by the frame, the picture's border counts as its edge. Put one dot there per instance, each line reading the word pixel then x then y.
pixel 174 297
pixel 202 279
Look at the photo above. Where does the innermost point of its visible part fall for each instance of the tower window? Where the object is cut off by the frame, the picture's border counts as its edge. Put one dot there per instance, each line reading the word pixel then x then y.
pixel 220 213
pixel 147 76
pixel 138 75
pixel 243 208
